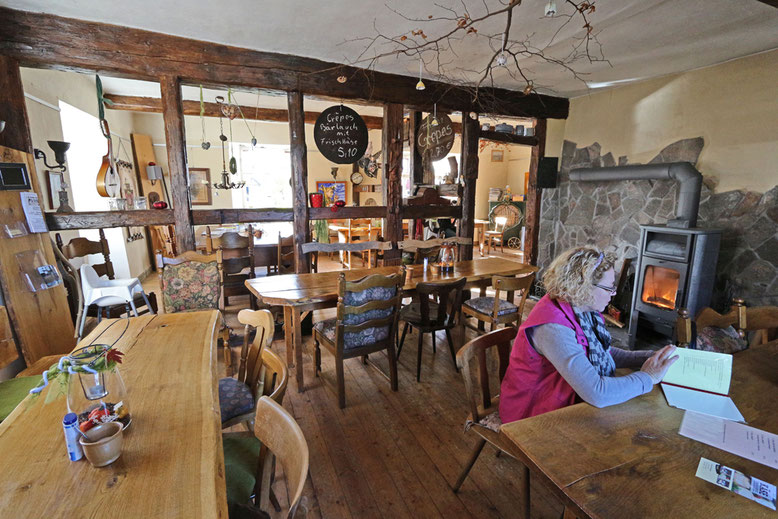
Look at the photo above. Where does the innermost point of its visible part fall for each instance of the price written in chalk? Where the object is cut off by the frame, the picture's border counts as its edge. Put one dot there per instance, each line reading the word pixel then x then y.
pixel 436 137
pixel 340 135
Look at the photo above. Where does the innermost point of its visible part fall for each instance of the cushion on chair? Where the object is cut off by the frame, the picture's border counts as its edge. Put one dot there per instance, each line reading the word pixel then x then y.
pixel 485 305
pixel 190 286
pixel 13 391
pixel 235 398
pixel 721 340
pixel 241 455
pixel 412 313
pixel 352 339
pixel 491 421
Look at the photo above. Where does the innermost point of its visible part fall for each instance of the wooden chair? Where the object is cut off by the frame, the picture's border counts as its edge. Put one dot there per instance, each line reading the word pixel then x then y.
pixel 501 311
pixel 80 247
pixel 428 314
pixel 260 371
pixel 366 322
pixel 250 461
pixel 235 254
pixel 356 233
pixel 754 325
pixel 200 274
pixel 483 418
pixel 286 255
pixel 496 233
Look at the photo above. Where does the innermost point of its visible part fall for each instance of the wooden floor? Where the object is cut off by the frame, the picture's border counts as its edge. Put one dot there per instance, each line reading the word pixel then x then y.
pixel 394 454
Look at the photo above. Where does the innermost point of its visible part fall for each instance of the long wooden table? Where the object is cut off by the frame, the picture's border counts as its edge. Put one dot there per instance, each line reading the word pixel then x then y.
pixel 300 293
pixel 628 460
pixel 172 463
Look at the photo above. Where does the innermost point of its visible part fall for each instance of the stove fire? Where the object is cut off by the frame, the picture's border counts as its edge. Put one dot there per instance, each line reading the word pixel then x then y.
pixel 660 287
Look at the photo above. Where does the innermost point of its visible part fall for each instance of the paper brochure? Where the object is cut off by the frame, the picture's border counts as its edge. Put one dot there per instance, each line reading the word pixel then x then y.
pixel 731 479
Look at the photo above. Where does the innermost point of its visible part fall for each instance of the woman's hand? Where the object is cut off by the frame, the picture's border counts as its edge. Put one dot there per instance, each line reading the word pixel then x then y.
pixel 658 364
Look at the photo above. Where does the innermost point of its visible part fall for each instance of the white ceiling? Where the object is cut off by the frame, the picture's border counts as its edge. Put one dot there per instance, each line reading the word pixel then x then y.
pixel 640 38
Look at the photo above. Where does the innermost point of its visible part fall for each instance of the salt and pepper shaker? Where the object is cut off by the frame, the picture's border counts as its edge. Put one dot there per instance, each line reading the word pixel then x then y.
pixel 70 424
pixel 426 264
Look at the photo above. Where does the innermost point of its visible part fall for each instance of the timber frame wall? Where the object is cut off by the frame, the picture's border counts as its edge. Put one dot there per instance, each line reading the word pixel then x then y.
pixel 47 41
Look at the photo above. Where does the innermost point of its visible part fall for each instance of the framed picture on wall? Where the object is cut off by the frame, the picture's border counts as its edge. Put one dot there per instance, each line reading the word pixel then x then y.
pixel 200 186
pixel 332 191
pixel 497 155
pixel 54 180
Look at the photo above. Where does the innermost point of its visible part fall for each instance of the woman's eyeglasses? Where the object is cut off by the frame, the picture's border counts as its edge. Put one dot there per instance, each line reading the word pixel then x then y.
pixel 611 290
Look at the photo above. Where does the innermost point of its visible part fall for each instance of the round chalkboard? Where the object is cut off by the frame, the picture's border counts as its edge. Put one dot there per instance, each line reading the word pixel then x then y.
pixel 341 135
pixel 435 140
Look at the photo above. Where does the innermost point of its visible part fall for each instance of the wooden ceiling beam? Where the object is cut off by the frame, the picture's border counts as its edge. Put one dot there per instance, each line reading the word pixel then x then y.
pixel 152 104
pixel 48 41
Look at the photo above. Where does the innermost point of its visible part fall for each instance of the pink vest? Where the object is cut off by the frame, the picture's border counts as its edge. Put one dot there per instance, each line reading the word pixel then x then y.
pixel 532 385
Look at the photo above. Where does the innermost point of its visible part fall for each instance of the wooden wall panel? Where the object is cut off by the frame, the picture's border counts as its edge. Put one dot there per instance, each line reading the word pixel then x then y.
pixel 40 320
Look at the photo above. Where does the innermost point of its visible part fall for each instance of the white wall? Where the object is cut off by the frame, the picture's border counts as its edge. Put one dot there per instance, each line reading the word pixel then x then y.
pixel 733 106
pixel 78 90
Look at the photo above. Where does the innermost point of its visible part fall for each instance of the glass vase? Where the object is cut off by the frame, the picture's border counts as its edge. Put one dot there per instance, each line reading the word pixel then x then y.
pixel 95 393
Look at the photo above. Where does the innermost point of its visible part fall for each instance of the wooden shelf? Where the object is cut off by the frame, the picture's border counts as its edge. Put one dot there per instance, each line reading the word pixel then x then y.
pixel 107 219
pixel 508 138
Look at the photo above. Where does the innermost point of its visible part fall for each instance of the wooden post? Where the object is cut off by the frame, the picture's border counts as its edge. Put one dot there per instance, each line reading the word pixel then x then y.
pixel 392 137
pixel 298 150
pixel 534 195
pixel 173 115
pixel 12 108
pixel 416 166
pixel 470 131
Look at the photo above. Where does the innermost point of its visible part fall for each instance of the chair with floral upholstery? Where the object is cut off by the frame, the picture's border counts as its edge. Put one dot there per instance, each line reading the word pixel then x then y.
pixel 493 310
pixel 191 282
pixel 260 372
pixel 366 323
pixel 740 328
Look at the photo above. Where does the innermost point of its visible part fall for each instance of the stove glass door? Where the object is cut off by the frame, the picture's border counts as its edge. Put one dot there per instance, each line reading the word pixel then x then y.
pixel 660 287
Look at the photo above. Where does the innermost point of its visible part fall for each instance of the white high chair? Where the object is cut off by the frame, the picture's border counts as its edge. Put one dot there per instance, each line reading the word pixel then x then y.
pixel 107 292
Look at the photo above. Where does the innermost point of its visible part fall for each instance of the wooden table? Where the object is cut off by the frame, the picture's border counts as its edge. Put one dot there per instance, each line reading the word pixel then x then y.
pixel 300 293
pixel 172 463
pixel 628 460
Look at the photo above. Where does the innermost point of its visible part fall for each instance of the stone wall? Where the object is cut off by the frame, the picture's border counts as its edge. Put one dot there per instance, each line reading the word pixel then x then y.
pixel 609 214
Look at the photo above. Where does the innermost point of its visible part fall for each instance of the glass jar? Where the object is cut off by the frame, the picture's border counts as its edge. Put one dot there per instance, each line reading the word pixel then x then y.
pixel 95 393
pixel 141 202
pixel 117 204
pixel 447 256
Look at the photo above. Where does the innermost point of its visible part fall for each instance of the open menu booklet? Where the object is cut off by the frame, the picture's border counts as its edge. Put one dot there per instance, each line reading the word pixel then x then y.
pixel 699 381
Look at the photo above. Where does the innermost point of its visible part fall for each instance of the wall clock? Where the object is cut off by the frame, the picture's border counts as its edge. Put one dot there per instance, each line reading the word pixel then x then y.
pixel 357 178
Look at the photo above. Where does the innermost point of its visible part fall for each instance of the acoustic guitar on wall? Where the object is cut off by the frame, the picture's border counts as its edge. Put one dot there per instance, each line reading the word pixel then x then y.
pixel 107 178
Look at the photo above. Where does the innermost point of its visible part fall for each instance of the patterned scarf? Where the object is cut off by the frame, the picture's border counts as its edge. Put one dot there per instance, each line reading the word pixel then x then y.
pixel 599 341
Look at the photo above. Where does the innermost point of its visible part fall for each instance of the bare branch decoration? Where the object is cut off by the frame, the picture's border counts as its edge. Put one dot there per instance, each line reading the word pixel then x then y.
pixel 438 40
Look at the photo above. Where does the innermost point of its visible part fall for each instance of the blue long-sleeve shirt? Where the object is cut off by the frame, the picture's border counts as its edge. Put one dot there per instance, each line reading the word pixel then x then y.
pixel 559 345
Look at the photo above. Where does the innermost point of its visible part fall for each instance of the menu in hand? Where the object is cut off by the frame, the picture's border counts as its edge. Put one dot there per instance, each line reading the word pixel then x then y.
pixel 699 381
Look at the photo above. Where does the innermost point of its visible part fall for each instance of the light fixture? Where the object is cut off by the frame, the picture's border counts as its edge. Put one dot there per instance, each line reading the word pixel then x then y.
pixel 420 84
pixel 342 79
pixel 501 60
pixel 226 182
pixel 550 9
pixel 59 148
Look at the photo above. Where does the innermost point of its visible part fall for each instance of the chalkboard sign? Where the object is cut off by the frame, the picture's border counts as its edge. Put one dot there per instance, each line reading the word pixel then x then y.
pixel 435 140
pixel 341 135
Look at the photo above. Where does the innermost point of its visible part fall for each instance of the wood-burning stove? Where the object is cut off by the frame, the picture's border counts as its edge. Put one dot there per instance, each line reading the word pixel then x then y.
pixel 676 269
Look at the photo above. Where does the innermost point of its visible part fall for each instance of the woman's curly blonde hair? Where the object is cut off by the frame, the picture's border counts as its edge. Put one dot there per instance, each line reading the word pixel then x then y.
pixel 572 274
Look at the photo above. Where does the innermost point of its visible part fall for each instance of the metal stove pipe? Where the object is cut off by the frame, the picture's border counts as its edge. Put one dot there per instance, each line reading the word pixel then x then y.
pixel 684 173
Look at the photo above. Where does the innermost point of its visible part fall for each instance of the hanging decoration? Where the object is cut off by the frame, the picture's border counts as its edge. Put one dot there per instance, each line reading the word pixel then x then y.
pixel 420 84
pixel 226 111
pixel 205 144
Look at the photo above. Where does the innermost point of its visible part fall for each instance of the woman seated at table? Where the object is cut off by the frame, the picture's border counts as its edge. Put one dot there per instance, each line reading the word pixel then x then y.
pixel 562 353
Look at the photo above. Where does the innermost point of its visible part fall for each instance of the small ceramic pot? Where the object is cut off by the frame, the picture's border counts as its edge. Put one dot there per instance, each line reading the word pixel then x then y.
pixel 103 443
